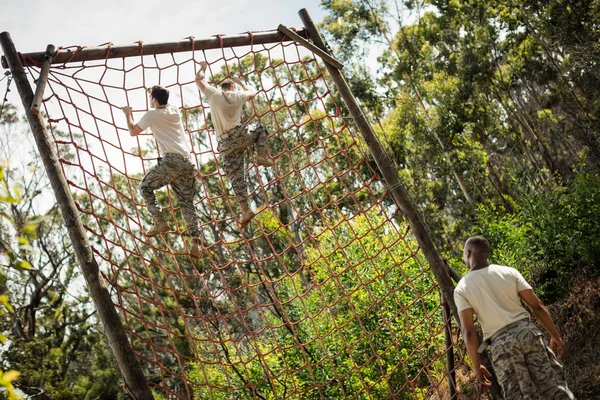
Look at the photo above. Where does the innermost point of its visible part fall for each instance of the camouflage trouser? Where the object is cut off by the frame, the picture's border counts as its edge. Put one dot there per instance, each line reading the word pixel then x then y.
pixel 178 171
pixel 233 147
pixel 526 368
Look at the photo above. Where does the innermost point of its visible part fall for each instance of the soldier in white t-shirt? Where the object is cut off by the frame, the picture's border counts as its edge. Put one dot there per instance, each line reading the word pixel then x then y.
pixel 233 136
pixel 174 166
pixel 525 367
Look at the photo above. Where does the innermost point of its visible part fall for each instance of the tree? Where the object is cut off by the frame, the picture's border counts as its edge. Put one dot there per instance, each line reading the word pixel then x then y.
pixel 476 92
pixel 8 260
pixel 492 101
pixel 54 339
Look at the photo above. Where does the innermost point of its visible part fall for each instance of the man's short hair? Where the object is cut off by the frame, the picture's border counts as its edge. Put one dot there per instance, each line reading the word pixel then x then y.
pixel 478 243
pixel 161 94
pixel 227 84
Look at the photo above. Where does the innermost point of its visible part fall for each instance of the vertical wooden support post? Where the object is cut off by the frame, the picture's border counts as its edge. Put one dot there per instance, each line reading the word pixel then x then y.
pixel 456 277
pixel 388 171
pixel 117 339
pixel 42 81
pixel 449 350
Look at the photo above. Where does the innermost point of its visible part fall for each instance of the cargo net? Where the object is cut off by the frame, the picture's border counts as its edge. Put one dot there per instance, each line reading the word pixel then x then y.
pixel 324 296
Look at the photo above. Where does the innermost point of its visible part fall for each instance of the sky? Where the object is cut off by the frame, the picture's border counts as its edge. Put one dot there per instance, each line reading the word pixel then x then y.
pixel 36 23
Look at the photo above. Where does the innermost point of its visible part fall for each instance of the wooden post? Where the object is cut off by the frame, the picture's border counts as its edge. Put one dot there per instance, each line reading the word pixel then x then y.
pixel 323 54
pixel 449 350
pixel 117 339
pixel 456 277
pixel 388 171
pixel 42 81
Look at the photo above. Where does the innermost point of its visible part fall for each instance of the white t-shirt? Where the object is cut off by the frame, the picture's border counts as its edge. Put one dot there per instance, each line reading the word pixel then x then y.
pixel 167 129
pixel 226 108
pixel 493 294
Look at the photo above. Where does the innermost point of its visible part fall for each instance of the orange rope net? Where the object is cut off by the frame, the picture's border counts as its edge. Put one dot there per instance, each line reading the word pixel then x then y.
pixel 325 295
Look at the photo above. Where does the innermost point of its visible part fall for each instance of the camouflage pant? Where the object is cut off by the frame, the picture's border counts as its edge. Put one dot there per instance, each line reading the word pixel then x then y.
pixel 180 173
pixel 233 153
pixel 526 368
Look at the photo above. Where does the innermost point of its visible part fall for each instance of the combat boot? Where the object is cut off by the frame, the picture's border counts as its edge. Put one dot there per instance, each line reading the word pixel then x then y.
pixel 247 216
pixel 261 157
pixel 195 248
pixel 159 226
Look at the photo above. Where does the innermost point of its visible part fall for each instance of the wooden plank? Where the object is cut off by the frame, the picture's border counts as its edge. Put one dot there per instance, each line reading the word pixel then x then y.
pixel 324 55
pixel 42 81
pixel 450 367
pixel 101 53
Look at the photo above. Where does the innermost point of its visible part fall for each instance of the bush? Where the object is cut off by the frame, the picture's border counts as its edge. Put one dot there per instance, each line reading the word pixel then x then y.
pixel 553 238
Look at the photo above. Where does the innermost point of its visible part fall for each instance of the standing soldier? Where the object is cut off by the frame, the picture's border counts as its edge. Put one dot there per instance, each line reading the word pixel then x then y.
pixel 526 368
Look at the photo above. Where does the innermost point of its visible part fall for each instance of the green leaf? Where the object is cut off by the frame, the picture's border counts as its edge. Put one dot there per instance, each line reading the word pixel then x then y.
pixel 24 265
pixel 18 196
pixel 24 244
pixel 6 197
pixel 30 231
pixel 4 301
pixel 6 380
pixel 10 376
pixel 6 216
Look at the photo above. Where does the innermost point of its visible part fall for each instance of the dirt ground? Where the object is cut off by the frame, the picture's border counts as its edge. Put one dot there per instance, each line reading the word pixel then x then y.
pixel 578 319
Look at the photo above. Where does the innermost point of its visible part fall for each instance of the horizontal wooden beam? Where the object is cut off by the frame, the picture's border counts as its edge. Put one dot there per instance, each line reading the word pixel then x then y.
pixel 103 52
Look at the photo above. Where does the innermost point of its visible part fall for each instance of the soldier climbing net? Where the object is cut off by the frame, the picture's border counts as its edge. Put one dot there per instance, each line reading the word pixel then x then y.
pixel 325 295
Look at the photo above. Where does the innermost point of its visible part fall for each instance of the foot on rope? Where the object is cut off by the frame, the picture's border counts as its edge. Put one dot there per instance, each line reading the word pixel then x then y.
pixel 247 217
pixel 261 157
pixel 195 248
pixel 263 161
pixel 159 226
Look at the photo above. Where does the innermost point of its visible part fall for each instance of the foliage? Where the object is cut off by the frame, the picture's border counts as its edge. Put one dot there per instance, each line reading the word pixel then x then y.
pixel 490 111
pixel 488 107
pixel 554 238
pixel 50 333
pixel 8 197
pixel 80 367
pixel 374 277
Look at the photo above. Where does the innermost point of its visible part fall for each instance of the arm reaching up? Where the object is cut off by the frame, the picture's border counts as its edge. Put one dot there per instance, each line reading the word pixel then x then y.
pixel 134 129
pixel 250 91
pixel 201 76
